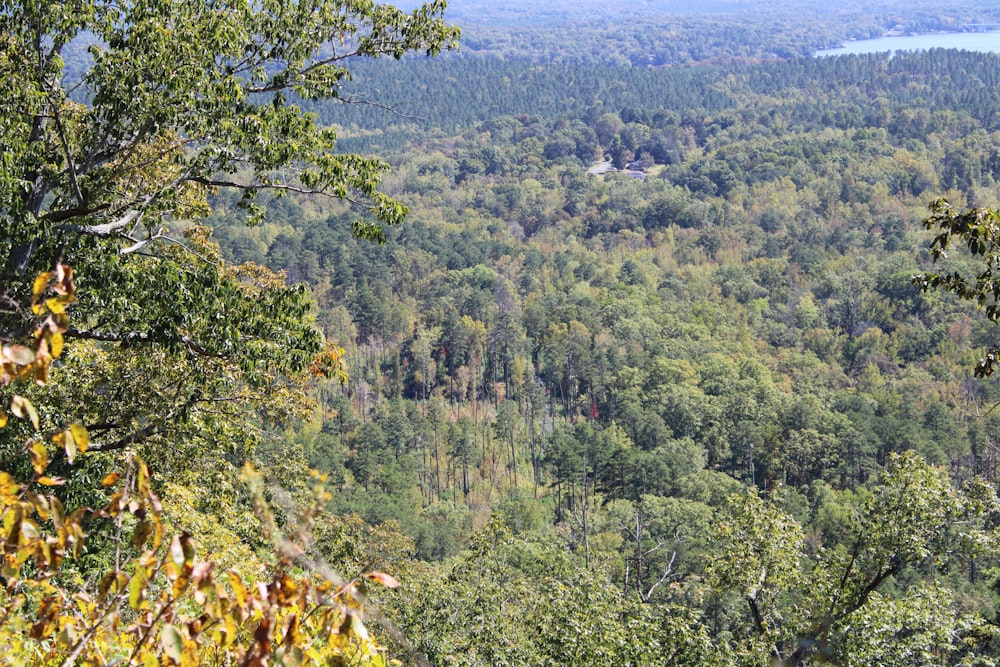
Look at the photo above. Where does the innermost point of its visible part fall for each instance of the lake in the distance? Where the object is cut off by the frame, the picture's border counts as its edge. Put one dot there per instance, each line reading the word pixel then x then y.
pixel 985 42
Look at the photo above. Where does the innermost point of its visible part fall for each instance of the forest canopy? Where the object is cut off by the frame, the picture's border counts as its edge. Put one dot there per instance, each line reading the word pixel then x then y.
pixel 644 378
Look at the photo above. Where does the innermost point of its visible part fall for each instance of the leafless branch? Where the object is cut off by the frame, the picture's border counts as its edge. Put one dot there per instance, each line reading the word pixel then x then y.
pixel 667 571
pixel 758 617
pixel 170 239
pixel 139 244
pixel 377 105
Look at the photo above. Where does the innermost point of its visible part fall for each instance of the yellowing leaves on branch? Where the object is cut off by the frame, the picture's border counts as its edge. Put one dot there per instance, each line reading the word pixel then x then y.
pixel 164 606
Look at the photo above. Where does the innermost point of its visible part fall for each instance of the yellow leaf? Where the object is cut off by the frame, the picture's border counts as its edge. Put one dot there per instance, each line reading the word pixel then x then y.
pixel 29 529
pixel 64 279
pixel 66 441
pixel 56 343
pixel 287 591
pixel 188 547
pixel 58 512
pixel 115 504
pixel 190 657
pixel 239 590
pixel 22 407
pixel 110 479
pixel 136 591
pixel 40 282
pixel 80 436
pixel 180 585
pixel 41 505
pixel 177 551
pixel 386 580
pixel 104 585
pixel 51 481
pixel 56 305
pixel 39 457
pixel 143 482
pixel 142 532
pixel 3 418
pixel 231 630
pixel 9 488
pixel 42 370
pixel 157 531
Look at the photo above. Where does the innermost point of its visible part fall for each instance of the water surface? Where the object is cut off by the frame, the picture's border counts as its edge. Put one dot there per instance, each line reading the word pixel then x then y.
pixel 984 42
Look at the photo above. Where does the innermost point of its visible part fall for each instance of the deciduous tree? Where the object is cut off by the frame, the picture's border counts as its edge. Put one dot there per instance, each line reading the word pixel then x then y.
pixel 105 165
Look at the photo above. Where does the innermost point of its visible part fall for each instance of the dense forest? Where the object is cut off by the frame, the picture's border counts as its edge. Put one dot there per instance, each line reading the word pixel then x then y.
pixel 656 369
pixel 607 357
pixel 680 32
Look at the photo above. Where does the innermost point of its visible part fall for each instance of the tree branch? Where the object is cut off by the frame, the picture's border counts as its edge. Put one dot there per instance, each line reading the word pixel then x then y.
pixel 758 617
pixel 262 186
pixel 155 428
pixel 192 345
pixel 108 228
pixel 66 214
pixel 377 105
pixel 808 643
pixel 107 337
pixel 666 574
pixel 132 438
pixel 133 216
pixel 70 164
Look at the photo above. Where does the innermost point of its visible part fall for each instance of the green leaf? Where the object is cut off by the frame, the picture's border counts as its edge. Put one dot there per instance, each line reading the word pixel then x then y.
pixel 136 590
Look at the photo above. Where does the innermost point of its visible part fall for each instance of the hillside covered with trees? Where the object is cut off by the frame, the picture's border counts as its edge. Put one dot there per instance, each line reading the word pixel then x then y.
pixel 668 362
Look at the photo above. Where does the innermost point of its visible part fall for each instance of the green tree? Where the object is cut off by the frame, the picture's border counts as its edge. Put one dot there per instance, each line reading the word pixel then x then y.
pixel 518 601
pixel 807 606
pixel 978 229
pixel 105 170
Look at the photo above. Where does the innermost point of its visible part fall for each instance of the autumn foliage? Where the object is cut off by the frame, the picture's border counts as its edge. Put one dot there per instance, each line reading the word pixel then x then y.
pixel 160 604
